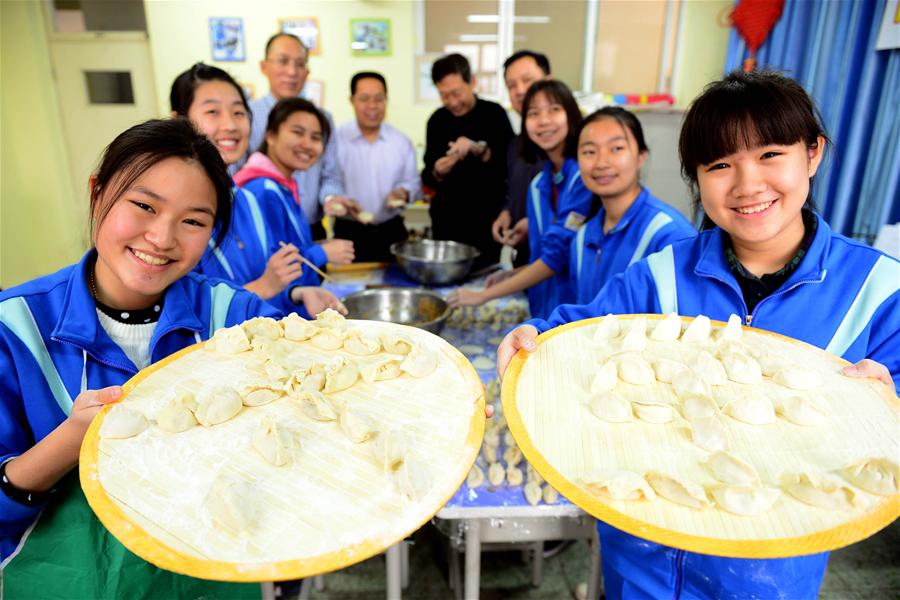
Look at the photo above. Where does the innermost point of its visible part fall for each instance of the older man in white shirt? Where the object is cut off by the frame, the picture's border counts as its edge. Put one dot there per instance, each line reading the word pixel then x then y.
pixel 379 167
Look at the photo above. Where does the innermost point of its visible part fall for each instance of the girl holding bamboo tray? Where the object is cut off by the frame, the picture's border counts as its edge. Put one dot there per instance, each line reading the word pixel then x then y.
pixel 249 255
pixel 750 145
pixel 160 192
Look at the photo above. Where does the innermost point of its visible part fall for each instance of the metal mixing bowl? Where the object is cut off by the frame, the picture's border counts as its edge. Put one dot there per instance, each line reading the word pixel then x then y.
pixel 408 306
pixel 435 262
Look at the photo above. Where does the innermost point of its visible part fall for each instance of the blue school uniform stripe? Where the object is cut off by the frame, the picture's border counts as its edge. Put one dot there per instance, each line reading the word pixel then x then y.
pixel 221 293
pixel 882 281
pixel 15 314
pixel 579 250
pixel 288 209
pixel 657 223
pixel 662 268
pixel 223 260
pixel 536 201
pixel 258 221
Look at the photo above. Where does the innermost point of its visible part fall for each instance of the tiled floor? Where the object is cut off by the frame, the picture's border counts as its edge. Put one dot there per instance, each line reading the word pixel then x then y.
pixel 869 570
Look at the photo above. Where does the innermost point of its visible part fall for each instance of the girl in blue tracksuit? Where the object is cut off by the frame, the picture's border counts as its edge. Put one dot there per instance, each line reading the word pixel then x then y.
pixel 70 339
pixel 558 203
pixel 296 134
pixel 249 255
pixel 631 223
pixel 750 144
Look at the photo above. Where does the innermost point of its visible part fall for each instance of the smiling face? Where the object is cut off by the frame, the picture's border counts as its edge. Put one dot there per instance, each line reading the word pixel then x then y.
pixel 457 96
pixel 519 76
pixel 298 143
pixel 547 124
pixel 609 159
pixel 756 194
pixel 369 103
pixel 153 234
pixel 219 113
pixel 285 67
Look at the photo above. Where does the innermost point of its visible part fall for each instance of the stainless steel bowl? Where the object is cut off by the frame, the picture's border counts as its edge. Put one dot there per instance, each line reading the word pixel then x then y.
pixel 435 262
pixel 407 306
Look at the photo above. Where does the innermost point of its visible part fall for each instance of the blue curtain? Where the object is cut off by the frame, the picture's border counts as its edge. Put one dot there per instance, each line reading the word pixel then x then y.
pixel 829 47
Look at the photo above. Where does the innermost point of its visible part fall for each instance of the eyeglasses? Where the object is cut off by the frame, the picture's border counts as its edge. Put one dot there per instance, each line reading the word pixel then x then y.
pixel 284 62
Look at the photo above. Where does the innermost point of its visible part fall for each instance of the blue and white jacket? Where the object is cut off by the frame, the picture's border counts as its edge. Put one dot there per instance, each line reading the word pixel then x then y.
pixel 844 297
pixel 550 231
pixel 52 347
pixel 649 225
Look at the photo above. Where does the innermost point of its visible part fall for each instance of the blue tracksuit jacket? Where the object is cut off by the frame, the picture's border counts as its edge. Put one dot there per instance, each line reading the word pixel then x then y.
pixel 548 235
pixel 649 225
pixel 844 297
pixel 52 347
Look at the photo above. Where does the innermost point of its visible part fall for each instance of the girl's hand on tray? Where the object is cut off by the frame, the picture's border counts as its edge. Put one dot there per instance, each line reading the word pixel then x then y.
pixel 869 368
pixel 522 337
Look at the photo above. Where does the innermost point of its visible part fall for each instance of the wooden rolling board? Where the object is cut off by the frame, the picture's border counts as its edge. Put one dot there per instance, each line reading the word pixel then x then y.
pixel 332 506
pixel 545 399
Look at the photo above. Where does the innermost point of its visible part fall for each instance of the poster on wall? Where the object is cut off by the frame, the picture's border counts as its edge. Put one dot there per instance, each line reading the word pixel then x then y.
pixel 370 37
pixel 889 35
pixel 425 90
pixel 305 28
pixel 314 91
pixel 226 39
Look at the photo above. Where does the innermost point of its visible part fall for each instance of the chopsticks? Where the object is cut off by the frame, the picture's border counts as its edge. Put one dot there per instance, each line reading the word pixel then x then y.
pixel 306 262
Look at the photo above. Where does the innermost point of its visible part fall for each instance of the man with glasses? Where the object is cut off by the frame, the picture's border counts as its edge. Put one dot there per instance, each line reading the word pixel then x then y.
pixel 379 166
pixel 285 66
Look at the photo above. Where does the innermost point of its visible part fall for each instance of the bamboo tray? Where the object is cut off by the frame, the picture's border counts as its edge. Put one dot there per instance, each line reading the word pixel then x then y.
pixel 331 507
pixel 545 397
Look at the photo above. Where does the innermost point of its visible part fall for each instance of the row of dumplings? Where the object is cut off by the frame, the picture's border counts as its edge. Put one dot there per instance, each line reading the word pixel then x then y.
pixel 741 491
pixel 489 316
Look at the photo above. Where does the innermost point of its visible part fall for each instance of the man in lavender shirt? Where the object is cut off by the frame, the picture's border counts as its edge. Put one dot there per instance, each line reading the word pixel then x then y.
pixel 285 66
pixel 379 166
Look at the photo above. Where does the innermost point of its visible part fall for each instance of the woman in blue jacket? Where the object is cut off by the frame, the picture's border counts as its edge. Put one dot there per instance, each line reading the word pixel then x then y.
pixel 160 192
pixel 249 254
pixel 750 144
pixel 631 223
pixel 558 203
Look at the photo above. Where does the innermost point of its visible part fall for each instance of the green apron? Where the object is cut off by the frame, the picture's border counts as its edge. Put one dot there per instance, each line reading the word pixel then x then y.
pixel 69 555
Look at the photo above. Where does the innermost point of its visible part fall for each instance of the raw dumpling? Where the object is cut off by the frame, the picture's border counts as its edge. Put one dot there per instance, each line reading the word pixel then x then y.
pixel 475 478
pixel 263 327
pixel 123 422
pixel 327 339
pixel 496 474
pixel 745 500
pixel 508 438
pixel 316 405
pixel 259 392
pixel 709 434
pixel 233 505
pixel 607 329
pixel 687 383
pixel 698 330
pixel 483 363
pixel 360 344
pixel 742 368
pixel 358 428
pixel 550 495
pixel 624 485
pixel 824 491
pixel 635 370
pixel 514 475
pixel 275 372
pixel 396 344
pixel 533 492
pixel 512 456
pixel 800 411
pixel 752 409
pixel 710 369
pixel 606 378
pixel 413 480
pixel 533 475
pixel 218 405
pixel 419 362
pixel 273 442
pixel 331 319
pixel 390 449
pixel 798 378
pixel 229 340
pixel 490 454
pixel 733 329
pixel 178 413
pixel 297 329
pixel 668 329
pixel 653 412
pixel 876 475
pixel 636 338
pixel 339 375
pixel 695 406
pixel 492 437
pixel 728 468
pixel 611 407
pixel 666 369
pixel 686 493
pixel 380 370
pixel 311 377
pixel 770 363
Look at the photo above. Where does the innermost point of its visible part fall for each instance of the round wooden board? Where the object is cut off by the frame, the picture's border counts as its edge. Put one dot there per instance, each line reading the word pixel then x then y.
pixel 545 396
pixel 332 507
